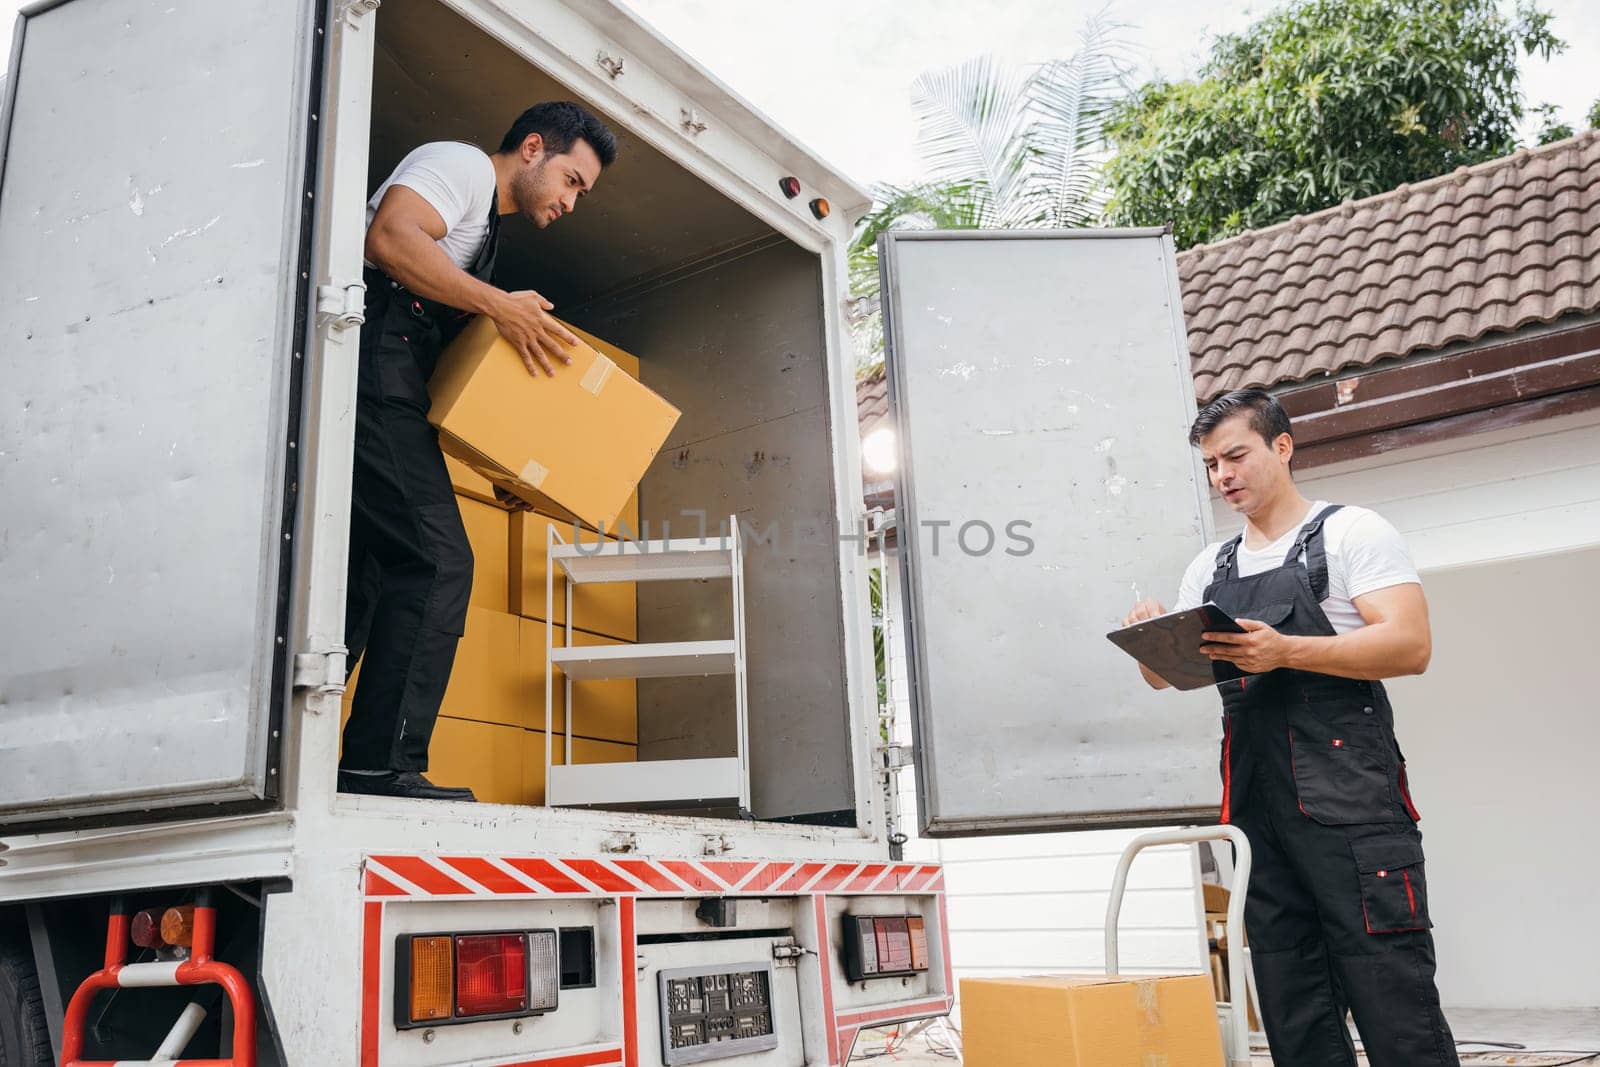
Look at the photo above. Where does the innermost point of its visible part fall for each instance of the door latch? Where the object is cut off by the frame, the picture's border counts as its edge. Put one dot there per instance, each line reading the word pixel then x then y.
pixel 786 951
pixel 342 306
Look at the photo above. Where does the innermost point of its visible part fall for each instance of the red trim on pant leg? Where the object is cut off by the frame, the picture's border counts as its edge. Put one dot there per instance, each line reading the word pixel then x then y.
pixel 1411 896
pixel 1227 772
pixel 1296 776
pixel 1405 794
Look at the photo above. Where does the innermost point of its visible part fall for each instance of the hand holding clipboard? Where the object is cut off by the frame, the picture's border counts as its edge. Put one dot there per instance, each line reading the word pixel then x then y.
pixel 1169 645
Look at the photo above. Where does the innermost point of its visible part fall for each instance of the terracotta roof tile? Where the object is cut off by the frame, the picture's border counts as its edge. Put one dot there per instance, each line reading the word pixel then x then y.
pixel 1479 251
pixel 872 400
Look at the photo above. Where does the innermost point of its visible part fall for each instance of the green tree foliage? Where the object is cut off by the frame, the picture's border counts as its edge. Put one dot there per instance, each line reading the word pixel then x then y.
pixel 1593 117
pixel 1319 102
pixel 1551 128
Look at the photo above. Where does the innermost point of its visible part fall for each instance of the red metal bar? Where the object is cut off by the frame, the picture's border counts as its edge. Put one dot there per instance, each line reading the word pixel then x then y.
pixel 199 969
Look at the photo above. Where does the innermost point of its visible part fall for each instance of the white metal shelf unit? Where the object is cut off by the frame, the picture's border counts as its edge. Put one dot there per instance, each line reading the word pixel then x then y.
pixel 687 781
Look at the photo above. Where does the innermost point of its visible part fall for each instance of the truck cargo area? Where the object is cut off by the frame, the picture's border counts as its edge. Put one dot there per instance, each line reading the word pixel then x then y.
pixel 724 317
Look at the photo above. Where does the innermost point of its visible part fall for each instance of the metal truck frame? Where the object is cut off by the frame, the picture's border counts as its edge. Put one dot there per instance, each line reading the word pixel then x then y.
pixel 330 879
pixel 122 791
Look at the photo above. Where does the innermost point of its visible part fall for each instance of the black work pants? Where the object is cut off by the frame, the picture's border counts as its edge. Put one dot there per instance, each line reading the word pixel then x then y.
pixel 1337 921
pixel 410 570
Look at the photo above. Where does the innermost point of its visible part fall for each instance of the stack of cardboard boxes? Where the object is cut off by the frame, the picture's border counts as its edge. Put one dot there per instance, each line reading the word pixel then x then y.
pixel 490 734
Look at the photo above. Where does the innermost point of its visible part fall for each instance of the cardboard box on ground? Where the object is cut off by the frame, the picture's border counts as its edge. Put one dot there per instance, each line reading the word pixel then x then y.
pixel 1090 1021
pixel 490 733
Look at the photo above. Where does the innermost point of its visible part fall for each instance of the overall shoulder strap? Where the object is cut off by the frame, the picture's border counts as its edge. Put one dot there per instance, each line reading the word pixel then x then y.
pixel 1225 563
pixel 1310 542
pixel 482 266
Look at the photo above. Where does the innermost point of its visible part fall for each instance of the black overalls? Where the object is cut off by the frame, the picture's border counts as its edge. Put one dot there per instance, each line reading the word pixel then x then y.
pixel 410 561
pixel 1337 912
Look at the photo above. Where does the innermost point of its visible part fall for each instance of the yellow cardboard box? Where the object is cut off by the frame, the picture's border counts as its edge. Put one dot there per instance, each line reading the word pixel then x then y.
pixel 498 679
pixel 574 445
pixel 489 532
pixel 1090 1021
pixel 485 757
pixel 606 710
pixel 469 483
pixel 625 361
pixel 609 608
pixel 584 750
pixel 490 681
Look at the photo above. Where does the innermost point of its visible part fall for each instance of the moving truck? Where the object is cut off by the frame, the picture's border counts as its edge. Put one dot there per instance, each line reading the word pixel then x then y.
pixel 182 197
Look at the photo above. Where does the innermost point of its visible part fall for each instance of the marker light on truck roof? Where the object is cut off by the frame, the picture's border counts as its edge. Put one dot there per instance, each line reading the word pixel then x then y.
pixel 790 187
pixel 820 208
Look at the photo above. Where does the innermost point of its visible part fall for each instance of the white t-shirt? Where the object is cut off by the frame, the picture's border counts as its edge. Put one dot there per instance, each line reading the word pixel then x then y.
pixel 458 180
pixel 1365 554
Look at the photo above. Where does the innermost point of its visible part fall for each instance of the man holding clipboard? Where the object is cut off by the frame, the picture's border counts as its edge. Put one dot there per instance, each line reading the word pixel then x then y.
pixel 1329 604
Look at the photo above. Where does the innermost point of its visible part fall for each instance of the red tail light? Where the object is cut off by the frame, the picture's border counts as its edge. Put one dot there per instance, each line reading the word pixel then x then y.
pixel 445 978
pixel 491 974
pixel 884 946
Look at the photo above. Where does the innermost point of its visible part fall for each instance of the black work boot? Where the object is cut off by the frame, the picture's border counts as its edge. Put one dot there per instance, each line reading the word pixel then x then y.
pixel 399 784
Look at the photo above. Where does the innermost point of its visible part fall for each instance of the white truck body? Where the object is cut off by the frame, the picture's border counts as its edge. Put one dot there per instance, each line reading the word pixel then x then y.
pixel 182 198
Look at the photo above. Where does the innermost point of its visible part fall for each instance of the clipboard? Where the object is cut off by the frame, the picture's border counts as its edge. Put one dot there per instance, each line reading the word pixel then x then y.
pixel 1169 645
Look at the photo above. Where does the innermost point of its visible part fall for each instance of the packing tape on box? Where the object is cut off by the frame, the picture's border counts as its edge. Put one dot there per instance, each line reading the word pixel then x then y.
pixel 1147 1005
pixel 594 379
pixel 1147 1000
pixel 533 474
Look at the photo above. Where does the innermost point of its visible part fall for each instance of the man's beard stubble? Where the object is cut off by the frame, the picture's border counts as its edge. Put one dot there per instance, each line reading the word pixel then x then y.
pixel 525 193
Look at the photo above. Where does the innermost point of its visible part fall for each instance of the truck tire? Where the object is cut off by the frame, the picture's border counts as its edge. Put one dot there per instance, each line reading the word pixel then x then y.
pixel 24 1035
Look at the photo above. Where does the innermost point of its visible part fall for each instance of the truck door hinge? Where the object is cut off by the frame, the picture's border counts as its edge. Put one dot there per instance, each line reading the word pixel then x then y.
pixel 322 671
pixel 896 757
pixel 715 845
pixel 351 12
pixel 342 306
pixel 609 63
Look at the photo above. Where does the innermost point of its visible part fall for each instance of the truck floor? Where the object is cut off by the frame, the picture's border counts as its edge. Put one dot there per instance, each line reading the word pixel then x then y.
pixel 1486 1038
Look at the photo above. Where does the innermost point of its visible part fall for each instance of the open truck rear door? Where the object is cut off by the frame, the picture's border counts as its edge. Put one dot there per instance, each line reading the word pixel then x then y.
pixel 1039 383
pixel 155 177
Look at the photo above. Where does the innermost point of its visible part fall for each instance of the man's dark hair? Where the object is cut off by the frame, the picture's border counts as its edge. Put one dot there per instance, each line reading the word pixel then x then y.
pixel 561 124
pixel 1266 415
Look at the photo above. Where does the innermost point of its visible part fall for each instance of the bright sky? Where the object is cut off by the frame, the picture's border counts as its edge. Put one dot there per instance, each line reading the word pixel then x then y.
pixel 837 73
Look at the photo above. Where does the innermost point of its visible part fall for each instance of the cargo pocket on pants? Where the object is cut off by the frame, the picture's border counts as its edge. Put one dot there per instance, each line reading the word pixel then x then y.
pixel 445 543
pixel 1340 774
pixel 1394 891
